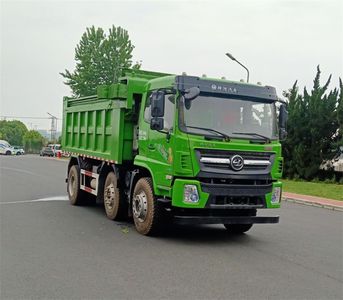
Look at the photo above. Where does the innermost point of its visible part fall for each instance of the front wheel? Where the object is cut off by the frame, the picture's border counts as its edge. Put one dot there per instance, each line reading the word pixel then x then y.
pixel 241 228
pixel 147 212
pixel 238 228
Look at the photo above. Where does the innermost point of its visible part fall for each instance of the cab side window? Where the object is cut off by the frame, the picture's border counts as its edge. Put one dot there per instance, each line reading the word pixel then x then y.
pixel 168 111
pixel 147 109
pixel 169 101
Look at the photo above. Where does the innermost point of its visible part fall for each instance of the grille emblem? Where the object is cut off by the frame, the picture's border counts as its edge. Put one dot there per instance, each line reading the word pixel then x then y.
pixel 237 162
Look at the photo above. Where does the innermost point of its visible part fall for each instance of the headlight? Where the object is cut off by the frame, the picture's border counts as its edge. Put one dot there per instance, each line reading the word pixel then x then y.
pixel 190 194
pixel 276 196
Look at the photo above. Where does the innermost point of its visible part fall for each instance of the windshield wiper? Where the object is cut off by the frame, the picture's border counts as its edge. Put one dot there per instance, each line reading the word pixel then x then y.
pixel 225 136
pixel 267 139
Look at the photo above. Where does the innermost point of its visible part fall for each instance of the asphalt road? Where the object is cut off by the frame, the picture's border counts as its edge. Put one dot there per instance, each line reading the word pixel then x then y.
pixel 52 250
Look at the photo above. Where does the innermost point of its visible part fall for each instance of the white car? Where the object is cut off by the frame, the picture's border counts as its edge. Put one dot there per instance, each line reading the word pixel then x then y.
pixel 19 150
pixel 6 150
pixel 56 148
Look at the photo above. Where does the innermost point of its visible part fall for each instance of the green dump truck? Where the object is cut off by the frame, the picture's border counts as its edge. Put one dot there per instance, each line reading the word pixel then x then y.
pixel 162 148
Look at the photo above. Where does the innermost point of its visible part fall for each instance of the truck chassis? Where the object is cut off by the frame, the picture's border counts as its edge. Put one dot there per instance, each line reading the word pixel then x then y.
pixel 119 189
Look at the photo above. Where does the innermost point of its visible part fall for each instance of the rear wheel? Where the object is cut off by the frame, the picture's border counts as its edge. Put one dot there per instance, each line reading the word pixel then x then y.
pixel 147 212
pixel 76 195
pixel 114 201
pixel 8 152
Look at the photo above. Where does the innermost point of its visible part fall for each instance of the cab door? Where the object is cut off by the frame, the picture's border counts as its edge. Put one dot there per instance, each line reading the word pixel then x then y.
pixel 160 143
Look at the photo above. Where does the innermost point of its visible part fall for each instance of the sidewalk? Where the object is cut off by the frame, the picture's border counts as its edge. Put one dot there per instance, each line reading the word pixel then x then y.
pixel 313 201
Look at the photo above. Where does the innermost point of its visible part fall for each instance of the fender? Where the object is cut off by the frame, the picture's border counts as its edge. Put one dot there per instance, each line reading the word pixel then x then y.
pixel 139 163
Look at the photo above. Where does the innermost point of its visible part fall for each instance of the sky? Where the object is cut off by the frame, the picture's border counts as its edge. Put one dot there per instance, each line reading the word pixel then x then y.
pixel 279 41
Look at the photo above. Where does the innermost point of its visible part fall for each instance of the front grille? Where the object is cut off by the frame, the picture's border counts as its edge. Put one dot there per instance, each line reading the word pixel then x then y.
pixel 220 160
pixel 236 202
pixel 236 190
pixel 228 153
pixel 250 181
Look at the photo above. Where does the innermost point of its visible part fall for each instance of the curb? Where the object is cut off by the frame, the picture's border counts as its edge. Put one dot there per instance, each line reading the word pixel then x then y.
pixel 57 159
pixel 313 203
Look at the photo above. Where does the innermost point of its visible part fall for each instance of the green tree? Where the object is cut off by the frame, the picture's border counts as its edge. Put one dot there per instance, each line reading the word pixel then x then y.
pixel 340 115
pixel 33 141
pixel 312 128
pixel 12 131
pixel 100 59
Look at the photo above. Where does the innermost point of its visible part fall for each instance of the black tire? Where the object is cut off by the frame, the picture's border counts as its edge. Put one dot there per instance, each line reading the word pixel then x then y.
pixel 146 210
pixel 8 152
pixel 114 200
pixel 241 228
pixel 76 196
pixel 238 228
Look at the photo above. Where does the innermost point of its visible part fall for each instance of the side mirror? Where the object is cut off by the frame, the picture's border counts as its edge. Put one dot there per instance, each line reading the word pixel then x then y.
pixel 283 116
pixel 157 104
pixel 156 123
pixel 191 93
pixel 282 134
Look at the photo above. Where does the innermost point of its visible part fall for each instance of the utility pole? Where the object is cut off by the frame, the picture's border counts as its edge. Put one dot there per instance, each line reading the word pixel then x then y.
pixel 53 127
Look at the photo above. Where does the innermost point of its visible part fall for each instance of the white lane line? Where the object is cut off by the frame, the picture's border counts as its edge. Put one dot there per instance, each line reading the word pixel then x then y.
pixel 21 171
pixel 57 198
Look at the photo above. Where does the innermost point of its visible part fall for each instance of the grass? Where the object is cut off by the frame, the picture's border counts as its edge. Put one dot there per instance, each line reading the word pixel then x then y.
pixel 326 190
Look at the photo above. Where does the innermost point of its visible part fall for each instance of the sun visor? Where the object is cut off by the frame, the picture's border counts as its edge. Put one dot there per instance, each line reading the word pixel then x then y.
pixel 227 89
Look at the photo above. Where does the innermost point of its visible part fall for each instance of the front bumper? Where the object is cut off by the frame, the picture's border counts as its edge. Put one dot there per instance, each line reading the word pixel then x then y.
pixel 225 220
pixel 229 196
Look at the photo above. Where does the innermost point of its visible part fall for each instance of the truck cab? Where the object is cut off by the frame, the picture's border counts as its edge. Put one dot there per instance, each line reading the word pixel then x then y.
pixel 212 145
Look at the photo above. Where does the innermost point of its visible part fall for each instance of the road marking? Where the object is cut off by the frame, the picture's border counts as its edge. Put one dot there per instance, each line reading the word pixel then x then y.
pixel 56 198
pixel 21 171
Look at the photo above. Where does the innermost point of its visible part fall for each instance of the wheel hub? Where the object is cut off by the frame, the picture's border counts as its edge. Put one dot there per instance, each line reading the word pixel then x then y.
pixel 71 183
pixel 109 197
pixel 140 206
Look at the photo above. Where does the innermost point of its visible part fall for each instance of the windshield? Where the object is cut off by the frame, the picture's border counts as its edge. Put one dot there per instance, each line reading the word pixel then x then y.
pixel 233 117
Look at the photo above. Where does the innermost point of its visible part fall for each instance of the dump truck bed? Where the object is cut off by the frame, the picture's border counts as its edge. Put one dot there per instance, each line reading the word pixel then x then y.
pixel 102 126
pixel 98 127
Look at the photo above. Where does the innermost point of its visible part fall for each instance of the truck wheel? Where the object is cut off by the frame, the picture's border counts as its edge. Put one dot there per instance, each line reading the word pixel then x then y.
pixel 238 228
pixel 76 196
pixel 147 212
pixel 8 152
pixel 241 228
pixel 114 202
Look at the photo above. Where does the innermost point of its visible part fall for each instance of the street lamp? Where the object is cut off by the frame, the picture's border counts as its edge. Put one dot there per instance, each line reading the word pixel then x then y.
pixel 234 59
